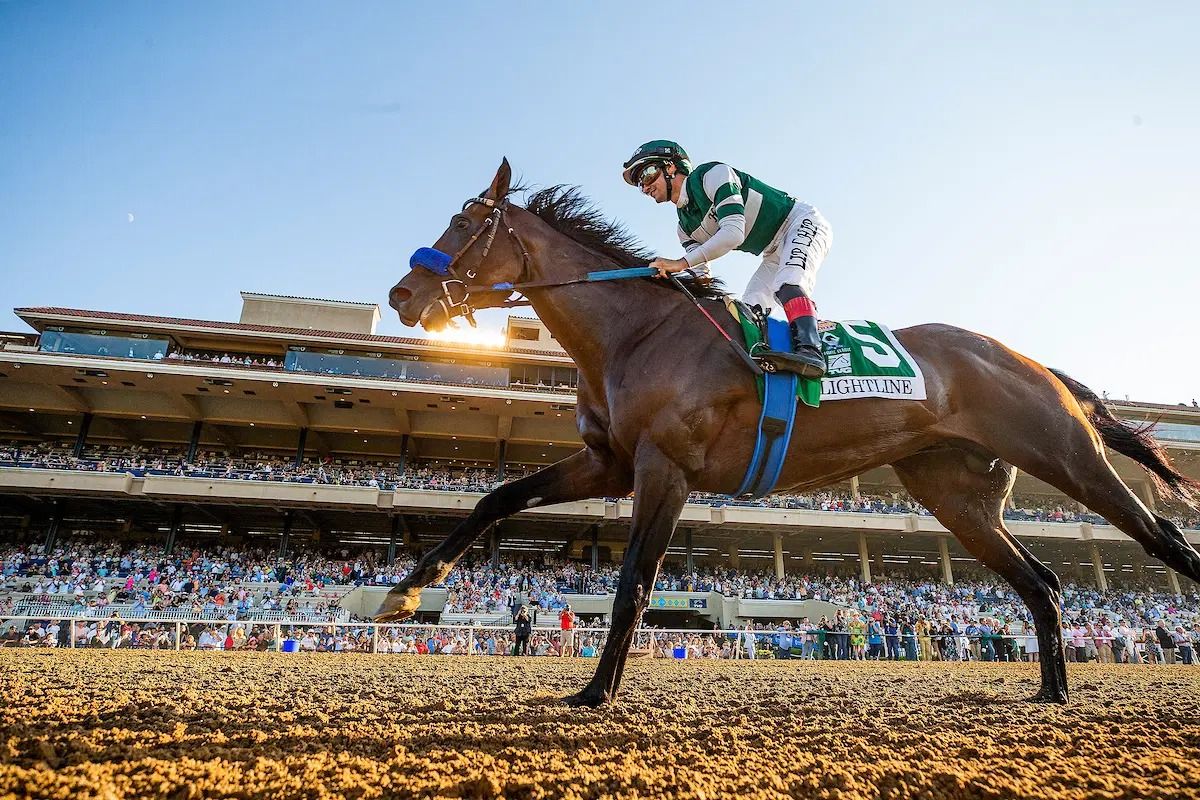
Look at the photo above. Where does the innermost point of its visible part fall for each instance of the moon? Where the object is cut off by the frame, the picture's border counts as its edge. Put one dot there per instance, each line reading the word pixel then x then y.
pixel 130 216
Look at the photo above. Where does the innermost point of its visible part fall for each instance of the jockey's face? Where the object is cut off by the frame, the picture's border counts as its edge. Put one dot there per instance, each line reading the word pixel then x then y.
pixel 664 187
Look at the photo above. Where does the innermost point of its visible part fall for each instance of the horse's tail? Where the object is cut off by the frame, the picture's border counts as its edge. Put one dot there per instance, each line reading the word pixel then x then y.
pixel 1135 441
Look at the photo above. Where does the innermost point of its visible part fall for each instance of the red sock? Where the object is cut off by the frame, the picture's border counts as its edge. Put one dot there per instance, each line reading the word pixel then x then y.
pixel 799 307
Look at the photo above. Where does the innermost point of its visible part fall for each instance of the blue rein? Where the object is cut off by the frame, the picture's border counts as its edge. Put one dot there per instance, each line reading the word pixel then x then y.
pixel 438 263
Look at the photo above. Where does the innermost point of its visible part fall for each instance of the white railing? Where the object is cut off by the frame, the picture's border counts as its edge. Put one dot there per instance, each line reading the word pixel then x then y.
pixel 293 635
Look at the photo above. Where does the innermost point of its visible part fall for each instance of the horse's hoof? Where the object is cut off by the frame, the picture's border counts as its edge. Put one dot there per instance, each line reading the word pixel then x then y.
pixel 586 699
pixel 1050 696
pixel 398 607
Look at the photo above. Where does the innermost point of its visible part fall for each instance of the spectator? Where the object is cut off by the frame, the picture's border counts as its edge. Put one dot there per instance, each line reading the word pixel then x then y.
pixel 523 630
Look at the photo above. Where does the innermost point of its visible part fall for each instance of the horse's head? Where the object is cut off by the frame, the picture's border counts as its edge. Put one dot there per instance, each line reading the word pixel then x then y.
pixel 471 265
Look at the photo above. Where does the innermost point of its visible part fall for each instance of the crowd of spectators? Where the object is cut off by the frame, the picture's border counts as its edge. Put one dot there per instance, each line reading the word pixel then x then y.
pixel 242 359
pixel 898 617
pixel 272 466
pixel 82 577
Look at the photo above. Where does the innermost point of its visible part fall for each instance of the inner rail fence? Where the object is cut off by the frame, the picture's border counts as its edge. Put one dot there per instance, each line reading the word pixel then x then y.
pixel 302 636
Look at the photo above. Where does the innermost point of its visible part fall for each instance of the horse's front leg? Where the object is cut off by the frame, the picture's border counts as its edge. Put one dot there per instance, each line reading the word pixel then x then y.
pixel 660 490
pixel 588 473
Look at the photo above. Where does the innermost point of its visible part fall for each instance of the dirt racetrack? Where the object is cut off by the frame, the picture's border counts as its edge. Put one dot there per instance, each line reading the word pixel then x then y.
pixel 109 724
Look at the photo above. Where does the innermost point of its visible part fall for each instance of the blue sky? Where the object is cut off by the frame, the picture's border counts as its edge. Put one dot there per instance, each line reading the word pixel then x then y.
pixel 1026 172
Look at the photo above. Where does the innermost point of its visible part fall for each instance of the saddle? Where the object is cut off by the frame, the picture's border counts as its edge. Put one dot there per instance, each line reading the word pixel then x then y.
pixel 777 391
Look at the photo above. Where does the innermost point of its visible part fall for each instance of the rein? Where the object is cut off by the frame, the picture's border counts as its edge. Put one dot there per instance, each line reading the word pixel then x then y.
pixel 442 265
pixel 456 292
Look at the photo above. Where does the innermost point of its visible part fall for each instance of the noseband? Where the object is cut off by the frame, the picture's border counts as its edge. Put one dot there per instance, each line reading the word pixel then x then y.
pixel 456 292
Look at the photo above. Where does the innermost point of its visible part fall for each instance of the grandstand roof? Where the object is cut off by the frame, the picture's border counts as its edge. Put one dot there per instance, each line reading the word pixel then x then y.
pixel 35 315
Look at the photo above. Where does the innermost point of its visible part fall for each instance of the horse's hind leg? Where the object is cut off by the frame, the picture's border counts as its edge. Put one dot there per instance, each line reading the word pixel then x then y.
pixel 1065 451
pixel 968 496
pixel 588 473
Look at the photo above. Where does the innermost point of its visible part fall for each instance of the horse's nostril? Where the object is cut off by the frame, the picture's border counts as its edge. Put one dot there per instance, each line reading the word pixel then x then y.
pixel 398 296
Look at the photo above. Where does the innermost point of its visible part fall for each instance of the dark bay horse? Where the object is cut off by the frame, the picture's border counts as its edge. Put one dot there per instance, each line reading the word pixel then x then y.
pixel 665 407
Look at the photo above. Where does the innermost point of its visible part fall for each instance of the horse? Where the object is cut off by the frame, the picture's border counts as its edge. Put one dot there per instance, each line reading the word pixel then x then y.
pixel 665 408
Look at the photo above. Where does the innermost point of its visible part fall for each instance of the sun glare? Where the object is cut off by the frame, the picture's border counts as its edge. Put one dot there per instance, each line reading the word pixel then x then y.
pixel 480 337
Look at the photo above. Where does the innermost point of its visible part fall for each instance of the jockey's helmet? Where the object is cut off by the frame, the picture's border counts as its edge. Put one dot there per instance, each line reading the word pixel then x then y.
pixel 657 153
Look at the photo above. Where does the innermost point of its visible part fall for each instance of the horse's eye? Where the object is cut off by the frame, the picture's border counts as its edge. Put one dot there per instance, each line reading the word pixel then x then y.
pixel 462 223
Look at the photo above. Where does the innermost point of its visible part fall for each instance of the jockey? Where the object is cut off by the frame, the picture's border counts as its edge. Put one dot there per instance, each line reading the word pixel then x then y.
pixel 722 209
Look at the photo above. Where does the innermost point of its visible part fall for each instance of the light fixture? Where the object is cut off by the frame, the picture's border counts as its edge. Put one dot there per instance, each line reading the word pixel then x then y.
pixel 31 409
pixel 149 374
pixel 394 394
pixel 104 382
pixel 356 430
pixel 251 424
pixel 275 384
pixel 226 391
pixel 144 416
pixel 69 422
pixel 508 402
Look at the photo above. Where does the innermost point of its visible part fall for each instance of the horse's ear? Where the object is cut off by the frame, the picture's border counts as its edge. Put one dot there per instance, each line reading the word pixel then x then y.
pixel 501 183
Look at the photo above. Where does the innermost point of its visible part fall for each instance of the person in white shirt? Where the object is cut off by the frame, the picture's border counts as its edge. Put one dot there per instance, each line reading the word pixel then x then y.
pixel 1031 644
pixel 748 640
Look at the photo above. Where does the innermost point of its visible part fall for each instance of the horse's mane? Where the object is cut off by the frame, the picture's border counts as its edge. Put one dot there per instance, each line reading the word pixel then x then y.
pixel 566 210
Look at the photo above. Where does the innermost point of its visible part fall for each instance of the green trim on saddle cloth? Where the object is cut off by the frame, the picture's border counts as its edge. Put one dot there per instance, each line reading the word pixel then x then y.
pixel 807 389
pixel 865 360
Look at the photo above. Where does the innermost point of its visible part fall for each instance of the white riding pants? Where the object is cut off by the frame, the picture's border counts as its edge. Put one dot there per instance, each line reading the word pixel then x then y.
pixel 794 256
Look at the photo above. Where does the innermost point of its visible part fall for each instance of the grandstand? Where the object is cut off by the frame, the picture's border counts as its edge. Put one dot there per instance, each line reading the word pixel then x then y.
pixel 298 427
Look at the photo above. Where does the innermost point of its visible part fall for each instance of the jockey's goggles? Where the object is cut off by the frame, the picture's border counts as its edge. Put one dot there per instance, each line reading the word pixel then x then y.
pixel 649 173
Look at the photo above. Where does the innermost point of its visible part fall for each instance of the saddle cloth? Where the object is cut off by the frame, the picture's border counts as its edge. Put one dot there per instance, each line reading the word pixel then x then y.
pixel 864 359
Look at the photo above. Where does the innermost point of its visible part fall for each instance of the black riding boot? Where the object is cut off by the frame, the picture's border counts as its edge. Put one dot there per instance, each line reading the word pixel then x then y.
pixel 807 361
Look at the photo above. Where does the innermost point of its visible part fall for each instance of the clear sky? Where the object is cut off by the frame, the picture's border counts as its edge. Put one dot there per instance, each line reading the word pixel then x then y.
pixel 1027 172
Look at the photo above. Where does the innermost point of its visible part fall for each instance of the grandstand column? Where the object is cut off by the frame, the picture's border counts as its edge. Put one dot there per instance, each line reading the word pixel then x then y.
pixel 194 442
pixel 879 570
pixel 864 558
pixel 687 543
pixel 173 531
pixel 1173 581
pixel 1145 494
pixel 287 530
pixel 403 453
pixel 1098 568
pixel 81 439
pixel 733 555
pixel 495 545
pixel 391 551
pixel 55 522
pixel 778 556
pixel 300 447
pixel 944 557
pixel 854 493
pixel 808 559
pixel 596 547
pixel 501 458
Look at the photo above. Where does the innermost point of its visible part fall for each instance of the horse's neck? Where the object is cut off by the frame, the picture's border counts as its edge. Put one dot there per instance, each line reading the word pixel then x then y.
pixel 592 321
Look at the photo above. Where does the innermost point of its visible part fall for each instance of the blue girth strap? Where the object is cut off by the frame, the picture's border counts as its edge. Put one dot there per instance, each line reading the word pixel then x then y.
pixel 775 424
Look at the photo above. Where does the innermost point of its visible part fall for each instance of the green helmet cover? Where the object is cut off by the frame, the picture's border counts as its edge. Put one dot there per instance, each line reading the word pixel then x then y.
pixel 657 150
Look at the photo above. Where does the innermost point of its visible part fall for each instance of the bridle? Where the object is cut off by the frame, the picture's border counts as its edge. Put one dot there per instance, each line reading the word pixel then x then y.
pixel 456 292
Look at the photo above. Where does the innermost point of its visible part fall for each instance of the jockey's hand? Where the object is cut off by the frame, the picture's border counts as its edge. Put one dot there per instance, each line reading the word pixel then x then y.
pixel 666 266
